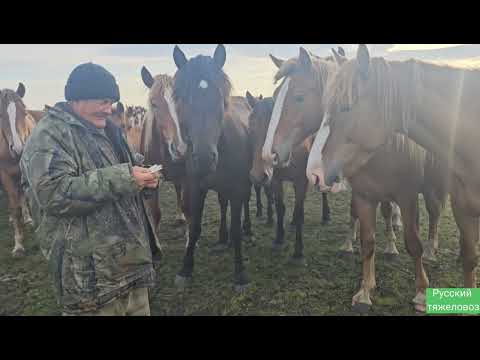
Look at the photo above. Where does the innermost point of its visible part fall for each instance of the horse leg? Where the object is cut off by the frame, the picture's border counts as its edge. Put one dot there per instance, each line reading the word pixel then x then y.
pixel 280 210
pixel 469 227
pixel 325 209
pixel 434 207
pixel 367 211
pixel 27 216
pixel 197 201
pixel 247 224
pixel 409 207
pixel 396 217
pixel 347 246
pixel 269 193
pixel 391 251
pixel 15 208
pixel 300 191
pixel 222 242
pixel 258 193
pixel 180 217
pixel 240 275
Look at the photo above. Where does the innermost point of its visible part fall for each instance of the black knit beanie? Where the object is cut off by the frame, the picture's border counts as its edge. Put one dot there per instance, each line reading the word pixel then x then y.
pixel 90 81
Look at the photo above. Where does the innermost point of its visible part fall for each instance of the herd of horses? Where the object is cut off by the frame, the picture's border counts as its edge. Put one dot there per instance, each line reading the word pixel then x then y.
pixel 392 129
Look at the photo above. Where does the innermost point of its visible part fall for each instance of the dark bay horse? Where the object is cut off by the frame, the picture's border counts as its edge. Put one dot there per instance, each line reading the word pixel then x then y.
pixel 219 157
pixel 358 96
pixel 295 172
pixel 162 143
pixel 16 125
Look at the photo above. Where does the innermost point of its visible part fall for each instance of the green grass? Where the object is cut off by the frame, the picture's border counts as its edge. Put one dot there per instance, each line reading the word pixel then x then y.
pixel 324 287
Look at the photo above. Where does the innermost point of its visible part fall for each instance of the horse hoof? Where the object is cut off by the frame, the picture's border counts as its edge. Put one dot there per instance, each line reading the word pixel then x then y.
pixel 361 308
pixel 345 254
pixel 18 253
pixel 182 282
pixel 179 222
pixel 278 246
pixel 249 240
pixel 397 228
pixel 241 288
pixel 429 258
pixel 297 261
pixel 420 308
pixel 391 257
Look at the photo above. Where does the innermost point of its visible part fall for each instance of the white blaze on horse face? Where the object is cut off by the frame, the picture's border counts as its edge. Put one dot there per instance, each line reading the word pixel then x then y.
pixel 203 84
pixel 315 163
pixel 12 117
pixel 267 155
pixel 168 96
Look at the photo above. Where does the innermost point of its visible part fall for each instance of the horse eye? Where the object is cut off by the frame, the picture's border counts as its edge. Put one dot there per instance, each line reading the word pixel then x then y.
pixel 299 99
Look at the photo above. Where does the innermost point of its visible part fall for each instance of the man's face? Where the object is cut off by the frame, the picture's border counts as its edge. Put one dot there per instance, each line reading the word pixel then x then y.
pixel 95 111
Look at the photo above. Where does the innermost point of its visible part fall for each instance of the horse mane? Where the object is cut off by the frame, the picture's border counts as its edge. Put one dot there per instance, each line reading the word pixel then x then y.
pixel 200 68
pixel 398 86
pixel 321 70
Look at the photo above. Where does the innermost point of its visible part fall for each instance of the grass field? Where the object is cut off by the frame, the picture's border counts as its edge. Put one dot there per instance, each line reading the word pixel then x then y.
pixel 324 287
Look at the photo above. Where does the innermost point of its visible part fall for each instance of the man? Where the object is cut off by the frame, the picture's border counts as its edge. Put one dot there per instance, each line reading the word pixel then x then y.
pixel 85 191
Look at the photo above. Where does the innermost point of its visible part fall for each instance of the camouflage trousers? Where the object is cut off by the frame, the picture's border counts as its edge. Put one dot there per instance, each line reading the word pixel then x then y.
pixel 133 303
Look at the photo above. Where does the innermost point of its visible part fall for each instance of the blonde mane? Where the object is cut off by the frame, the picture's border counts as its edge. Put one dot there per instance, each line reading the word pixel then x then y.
pixel 322 68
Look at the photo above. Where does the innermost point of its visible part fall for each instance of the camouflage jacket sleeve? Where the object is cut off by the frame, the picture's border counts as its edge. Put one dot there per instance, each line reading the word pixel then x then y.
pixel 60 190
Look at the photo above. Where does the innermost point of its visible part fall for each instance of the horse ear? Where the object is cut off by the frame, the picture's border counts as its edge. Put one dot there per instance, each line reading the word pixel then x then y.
pixel 251 100
pixel 341 51
pixel 304 58
pixel 278 62
pixel 179 57
pixel 339 59
pixel 147 77
pixel 220 56
pixel 21 90
pixel 120 109
pixel 363 59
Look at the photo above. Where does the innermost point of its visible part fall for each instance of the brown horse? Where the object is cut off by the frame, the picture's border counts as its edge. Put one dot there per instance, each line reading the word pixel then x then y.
pixel 295 172
pixel 219 156
pixel 161 140
pixel 16 125
pixel 367 101
pixel 298 113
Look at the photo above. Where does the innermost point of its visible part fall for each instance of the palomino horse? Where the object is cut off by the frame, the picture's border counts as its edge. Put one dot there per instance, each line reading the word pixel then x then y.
pixel 16 125
pixel 219 155
pixel 161 140
pixel 294 172
pixel 367 102
pixel 297 114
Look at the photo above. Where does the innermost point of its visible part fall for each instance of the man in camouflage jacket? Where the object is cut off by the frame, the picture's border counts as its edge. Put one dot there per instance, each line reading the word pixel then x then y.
pixel 85 192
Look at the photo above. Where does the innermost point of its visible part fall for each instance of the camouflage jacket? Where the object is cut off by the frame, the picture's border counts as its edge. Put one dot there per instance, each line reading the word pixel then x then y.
pixel 88 212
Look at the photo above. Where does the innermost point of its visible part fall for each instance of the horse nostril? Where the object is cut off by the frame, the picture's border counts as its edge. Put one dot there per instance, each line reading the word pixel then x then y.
pixel 275 159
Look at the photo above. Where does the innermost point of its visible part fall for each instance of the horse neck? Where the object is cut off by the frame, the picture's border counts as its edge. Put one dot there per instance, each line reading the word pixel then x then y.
pixel 445 114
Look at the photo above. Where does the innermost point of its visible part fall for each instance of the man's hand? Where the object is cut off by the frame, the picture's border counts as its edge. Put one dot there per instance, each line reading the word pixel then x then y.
pixel 144 178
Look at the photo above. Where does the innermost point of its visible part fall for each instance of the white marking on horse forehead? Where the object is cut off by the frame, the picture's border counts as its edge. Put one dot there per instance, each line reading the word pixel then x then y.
pixel 275 118
pixel 203 84
pixel 315 158
pixel 12 117
pixel 168 96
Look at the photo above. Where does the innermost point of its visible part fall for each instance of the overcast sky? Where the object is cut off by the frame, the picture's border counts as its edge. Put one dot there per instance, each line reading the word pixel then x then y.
pixel 44 69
